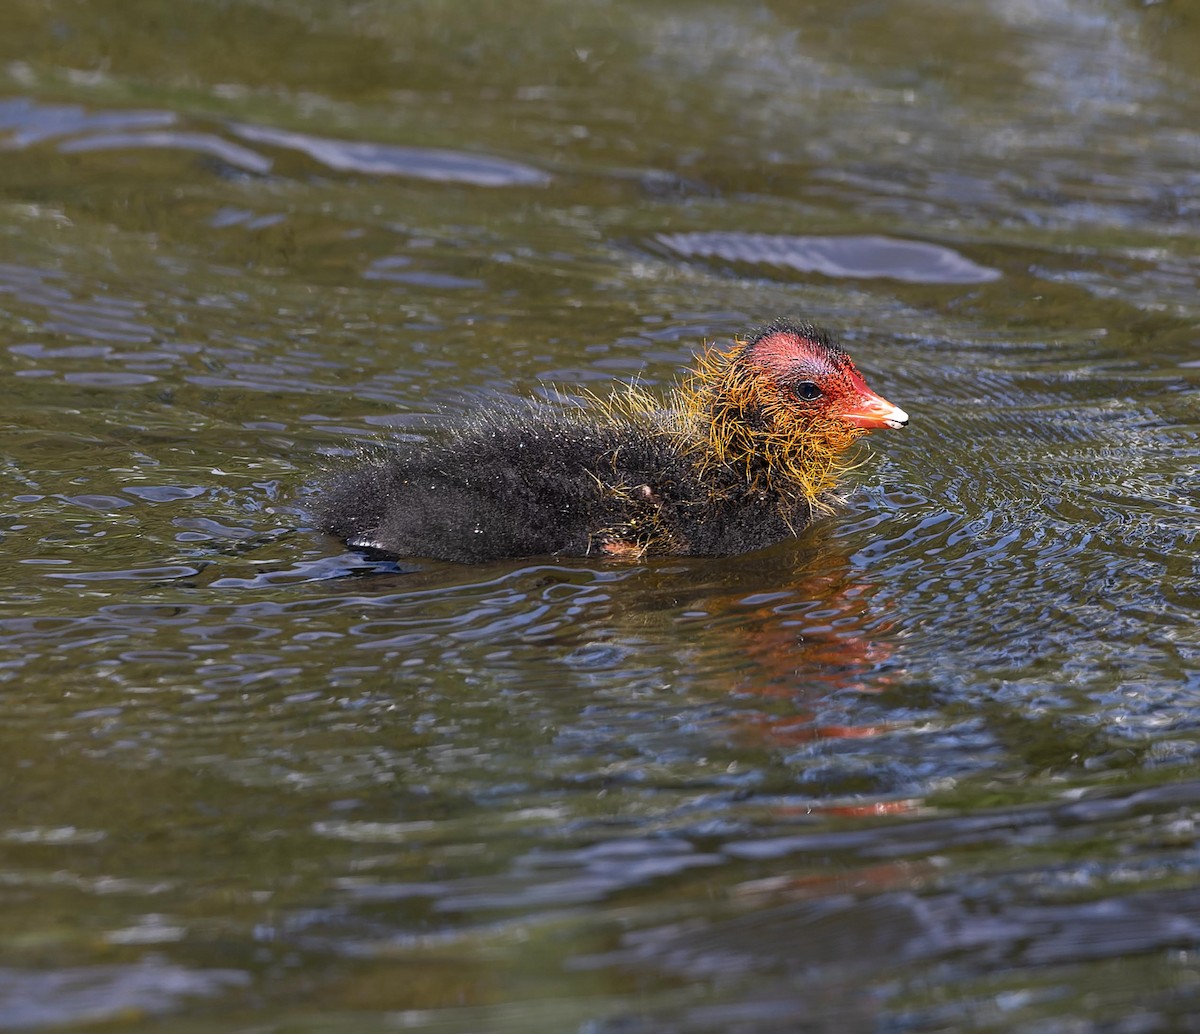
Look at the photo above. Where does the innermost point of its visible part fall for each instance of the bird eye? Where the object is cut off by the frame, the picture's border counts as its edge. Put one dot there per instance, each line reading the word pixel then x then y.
pixel 808 391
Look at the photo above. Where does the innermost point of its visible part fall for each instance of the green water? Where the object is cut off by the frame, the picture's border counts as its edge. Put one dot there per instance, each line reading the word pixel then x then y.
pixel 932 766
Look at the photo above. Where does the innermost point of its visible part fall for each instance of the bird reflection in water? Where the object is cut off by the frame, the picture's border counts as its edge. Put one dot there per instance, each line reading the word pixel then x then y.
pixel 797 648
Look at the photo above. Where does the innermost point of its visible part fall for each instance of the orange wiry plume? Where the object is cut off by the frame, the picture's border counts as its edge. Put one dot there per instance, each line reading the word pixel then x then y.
pixel 734 418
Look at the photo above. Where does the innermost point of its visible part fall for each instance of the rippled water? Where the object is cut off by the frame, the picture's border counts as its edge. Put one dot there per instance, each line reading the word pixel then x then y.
pixel 932 766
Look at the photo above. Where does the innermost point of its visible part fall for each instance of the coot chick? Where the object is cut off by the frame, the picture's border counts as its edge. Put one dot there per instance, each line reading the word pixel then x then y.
pixel 742 454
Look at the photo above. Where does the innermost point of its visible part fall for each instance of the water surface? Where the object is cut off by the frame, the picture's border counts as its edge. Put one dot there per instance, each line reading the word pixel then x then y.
pixel 931 766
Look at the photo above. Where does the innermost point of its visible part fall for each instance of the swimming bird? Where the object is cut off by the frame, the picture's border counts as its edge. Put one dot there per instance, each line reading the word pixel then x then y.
pixel 745 451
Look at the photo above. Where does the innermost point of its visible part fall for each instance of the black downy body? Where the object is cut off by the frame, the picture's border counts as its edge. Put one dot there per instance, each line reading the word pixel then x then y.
pixel 536 480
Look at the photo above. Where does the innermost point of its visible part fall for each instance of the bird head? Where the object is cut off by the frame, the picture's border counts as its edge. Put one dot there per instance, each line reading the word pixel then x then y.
pixel 782 408
pixel 802 376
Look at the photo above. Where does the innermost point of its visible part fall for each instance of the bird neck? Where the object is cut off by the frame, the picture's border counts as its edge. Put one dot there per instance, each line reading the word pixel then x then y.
pixel 746 433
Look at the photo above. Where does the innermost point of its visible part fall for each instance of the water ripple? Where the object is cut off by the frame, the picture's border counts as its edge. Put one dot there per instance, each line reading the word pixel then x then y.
pixel 849 256
pixel 375 159
pixel 97 994
pixel 200 143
